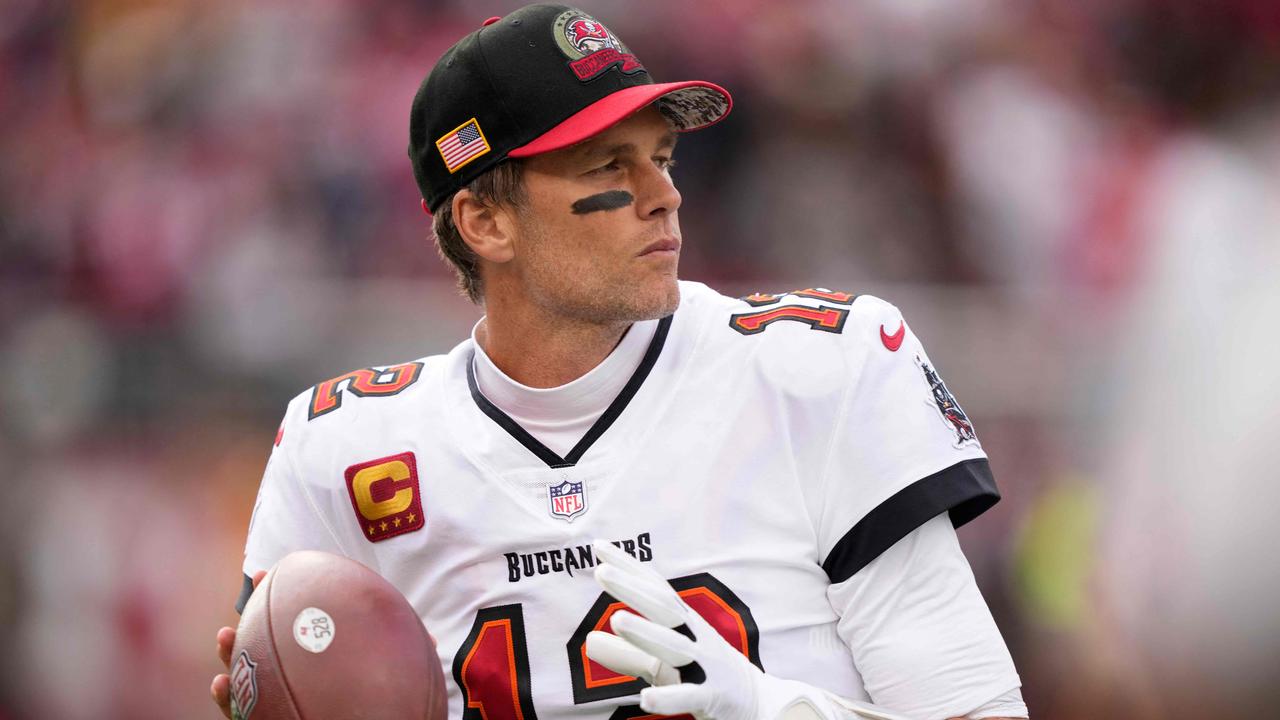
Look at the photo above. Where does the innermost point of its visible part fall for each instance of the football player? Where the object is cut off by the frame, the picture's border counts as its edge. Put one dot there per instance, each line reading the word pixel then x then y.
pixel 771 482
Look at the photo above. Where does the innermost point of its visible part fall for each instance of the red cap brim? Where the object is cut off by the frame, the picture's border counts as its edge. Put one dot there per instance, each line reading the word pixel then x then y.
pixel 609 111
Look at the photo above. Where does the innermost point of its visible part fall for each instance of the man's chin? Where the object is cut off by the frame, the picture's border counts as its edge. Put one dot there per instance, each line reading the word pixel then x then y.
pixel 664 303
pixel 654 305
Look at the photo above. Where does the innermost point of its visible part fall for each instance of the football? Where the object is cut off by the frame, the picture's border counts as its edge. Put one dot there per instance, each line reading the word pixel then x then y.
pixel 325 638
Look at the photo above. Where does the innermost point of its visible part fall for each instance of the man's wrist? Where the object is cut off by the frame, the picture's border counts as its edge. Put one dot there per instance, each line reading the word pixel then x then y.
pixel 781 699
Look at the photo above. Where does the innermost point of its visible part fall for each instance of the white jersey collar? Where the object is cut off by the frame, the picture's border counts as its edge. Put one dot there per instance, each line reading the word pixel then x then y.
pixel 583 398
pixel 559 424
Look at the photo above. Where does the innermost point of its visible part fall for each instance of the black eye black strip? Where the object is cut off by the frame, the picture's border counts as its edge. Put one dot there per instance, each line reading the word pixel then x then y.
pixel 607 200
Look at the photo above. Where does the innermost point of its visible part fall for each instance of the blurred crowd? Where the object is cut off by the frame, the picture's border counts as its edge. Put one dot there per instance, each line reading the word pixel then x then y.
pixel 206 207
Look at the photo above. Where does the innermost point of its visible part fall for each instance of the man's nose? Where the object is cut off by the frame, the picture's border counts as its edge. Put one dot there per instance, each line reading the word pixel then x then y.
pixel 657 193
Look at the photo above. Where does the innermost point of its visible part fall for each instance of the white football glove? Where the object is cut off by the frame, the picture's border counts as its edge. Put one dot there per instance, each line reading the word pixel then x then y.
pixel 648 648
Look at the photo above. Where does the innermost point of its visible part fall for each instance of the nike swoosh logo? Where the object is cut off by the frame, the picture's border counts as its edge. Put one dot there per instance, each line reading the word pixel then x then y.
pixel 894 341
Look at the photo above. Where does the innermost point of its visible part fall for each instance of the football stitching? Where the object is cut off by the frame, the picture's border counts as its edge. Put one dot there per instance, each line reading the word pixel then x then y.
pixel 271 637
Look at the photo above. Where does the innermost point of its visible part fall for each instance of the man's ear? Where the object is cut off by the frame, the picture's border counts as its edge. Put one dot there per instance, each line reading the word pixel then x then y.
pixel 487 229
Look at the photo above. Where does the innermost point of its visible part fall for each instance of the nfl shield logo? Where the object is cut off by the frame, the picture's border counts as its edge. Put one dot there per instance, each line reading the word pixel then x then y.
pixel 244 686
pixel 567 500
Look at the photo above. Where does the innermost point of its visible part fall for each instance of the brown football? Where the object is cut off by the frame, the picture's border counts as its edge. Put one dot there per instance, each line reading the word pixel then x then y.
pixel 325 638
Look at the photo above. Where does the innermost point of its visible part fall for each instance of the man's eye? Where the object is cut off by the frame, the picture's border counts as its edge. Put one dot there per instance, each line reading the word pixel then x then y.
pixel 665 163
pixel 610 167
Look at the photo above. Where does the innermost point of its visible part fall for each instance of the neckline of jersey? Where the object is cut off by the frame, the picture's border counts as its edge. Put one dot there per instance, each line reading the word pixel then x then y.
pixel 597 429
pixel 577 403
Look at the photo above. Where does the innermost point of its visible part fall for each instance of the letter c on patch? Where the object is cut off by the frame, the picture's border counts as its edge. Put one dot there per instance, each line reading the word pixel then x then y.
pixel 389 478
pixel 386 496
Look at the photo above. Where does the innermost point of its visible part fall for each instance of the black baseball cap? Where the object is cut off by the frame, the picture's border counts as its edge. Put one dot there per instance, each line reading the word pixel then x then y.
pixel 542 78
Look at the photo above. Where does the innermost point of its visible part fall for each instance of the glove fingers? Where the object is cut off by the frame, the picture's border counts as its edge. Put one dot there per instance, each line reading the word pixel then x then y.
pixel 662 643
pixel 675 700
pixel 641 575
pixel 614 555
pixel 624 658
pixel 643 591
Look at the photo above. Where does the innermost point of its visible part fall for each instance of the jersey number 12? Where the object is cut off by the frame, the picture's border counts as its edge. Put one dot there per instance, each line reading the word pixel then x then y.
pixel 492 666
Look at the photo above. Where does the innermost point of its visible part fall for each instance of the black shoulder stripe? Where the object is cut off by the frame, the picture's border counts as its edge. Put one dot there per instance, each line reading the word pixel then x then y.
pixel 246 589
pixel 965 489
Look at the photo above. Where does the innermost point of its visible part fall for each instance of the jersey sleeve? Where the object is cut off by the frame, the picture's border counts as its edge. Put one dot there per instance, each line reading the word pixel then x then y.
pixel 903 450
pixel 921 634
pixel 285 518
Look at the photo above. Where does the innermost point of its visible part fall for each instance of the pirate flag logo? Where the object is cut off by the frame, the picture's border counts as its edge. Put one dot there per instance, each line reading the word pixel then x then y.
pixel 587 36
pixel 952 414
pixel 591 48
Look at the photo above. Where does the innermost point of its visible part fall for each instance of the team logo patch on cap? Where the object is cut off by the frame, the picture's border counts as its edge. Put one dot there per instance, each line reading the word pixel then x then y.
pixel 567 500
pixel 952 414
pixel 464 144
pixel 591 47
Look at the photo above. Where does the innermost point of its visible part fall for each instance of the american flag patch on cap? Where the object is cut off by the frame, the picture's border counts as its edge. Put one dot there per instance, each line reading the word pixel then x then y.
pixel 464 144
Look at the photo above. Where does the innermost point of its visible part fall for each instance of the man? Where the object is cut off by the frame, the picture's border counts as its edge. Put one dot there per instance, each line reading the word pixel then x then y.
pixel 791 463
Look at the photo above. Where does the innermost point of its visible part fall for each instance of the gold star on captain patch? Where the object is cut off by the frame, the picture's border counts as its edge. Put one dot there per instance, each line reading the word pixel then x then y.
pixel 370 529
pixel 384 526
pixel 396 522
pixel 412 517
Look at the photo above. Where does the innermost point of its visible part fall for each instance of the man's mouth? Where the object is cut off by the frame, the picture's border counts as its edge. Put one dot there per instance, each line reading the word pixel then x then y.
pixel 665 245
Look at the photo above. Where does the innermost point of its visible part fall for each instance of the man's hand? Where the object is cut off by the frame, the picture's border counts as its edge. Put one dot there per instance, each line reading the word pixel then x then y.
pixel 221 687
pixel 648 647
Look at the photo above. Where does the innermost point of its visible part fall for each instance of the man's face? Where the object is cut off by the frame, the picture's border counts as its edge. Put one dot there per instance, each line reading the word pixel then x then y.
pixel 598 239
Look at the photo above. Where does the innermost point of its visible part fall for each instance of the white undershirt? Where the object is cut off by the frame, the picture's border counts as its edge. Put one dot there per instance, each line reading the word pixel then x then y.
pixel 558 417
pixel 894 632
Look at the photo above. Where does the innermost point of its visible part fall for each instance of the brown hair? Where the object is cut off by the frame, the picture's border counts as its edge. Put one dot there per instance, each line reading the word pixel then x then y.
pixel 502 184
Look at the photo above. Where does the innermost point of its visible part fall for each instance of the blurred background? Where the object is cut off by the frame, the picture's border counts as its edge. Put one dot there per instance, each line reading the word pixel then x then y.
pixel 206 207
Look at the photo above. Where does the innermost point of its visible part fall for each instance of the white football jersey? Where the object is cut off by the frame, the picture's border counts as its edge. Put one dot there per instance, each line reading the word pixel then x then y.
pixel 764 449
